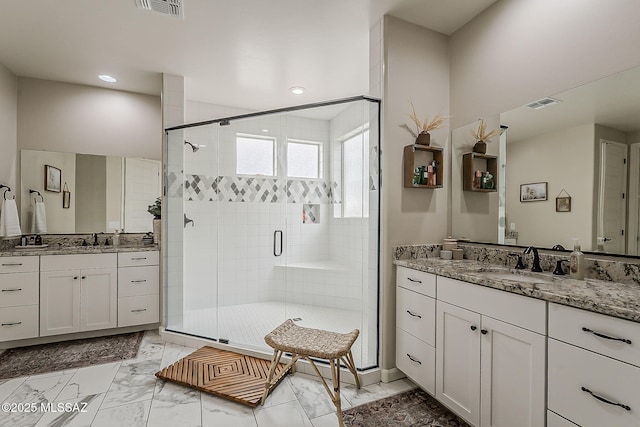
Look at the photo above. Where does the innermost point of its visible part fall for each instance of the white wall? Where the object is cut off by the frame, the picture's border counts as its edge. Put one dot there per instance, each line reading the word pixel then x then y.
pixel 519 51
pixel 416 66
pixel 543 158
pixel 74 118
pixel 8 128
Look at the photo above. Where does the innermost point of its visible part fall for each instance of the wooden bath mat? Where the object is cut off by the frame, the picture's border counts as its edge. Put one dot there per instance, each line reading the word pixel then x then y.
pixel 223 373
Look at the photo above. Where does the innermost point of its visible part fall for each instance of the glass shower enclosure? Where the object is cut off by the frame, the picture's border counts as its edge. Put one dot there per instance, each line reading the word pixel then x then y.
pixel 272 216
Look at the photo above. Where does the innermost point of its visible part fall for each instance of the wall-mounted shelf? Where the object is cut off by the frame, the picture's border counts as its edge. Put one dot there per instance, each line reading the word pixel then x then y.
pixel 410 164
pixel 487 163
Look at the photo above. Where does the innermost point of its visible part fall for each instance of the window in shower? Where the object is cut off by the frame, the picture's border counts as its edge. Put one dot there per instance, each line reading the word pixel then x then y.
pixel 355 176
pixel 304 159
pixel 255 155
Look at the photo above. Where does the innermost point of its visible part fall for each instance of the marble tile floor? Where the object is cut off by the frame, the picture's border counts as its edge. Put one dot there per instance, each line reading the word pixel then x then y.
pixel 128 394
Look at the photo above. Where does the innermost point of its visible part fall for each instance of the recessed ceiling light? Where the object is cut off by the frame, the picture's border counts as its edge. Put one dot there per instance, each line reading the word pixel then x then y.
pixel 107 78
pixel 297 90
pixel 265 130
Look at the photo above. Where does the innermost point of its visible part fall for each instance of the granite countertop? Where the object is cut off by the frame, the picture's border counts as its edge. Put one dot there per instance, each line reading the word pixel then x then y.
pixel 74 250
pixel 610 298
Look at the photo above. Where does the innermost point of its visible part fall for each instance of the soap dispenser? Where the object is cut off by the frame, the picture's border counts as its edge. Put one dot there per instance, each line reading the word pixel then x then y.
pixel 576 262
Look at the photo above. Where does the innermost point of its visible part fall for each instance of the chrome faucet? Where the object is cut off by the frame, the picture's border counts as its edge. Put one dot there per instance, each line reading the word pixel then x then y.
pixel 536 259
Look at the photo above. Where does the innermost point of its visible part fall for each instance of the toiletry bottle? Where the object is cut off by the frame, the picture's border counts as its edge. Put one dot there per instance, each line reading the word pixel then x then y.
pixel 477 182
pixel 425 175
pixel 23 241
pixel 38 240
pixel 116 238
pixel 576 262
pixel 417 176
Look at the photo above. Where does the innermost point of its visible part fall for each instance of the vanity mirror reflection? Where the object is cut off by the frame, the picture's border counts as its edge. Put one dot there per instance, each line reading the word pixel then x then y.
pixel 106 192
pixel 583 143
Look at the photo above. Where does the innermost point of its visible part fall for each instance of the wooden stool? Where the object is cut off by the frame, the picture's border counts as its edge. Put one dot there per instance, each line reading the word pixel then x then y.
pixel 305 343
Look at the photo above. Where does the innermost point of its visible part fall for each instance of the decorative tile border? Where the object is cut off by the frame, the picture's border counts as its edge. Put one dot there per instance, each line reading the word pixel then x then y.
pixel 248 189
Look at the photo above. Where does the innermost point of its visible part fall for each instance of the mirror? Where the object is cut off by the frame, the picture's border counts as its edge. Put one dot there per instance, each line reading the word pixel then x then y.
pixel 583 145
pixel 85 193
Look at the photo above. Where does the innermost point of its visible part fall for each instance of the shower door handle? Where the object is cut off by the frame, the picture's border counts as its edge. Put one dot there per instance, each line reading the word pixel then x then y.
pixel 275 243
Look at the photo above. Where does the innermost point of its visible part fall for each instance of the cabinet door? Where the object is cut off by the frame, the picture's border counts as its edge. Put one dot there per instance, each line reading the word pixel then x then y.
pixel 59 302
pixel 458 360
pixel 98 307
pixel 512 374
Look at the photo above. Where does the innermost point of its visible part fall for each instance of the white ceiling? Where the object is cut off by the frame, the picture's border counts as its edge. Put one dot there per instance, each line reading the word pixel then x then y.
pixel 242 53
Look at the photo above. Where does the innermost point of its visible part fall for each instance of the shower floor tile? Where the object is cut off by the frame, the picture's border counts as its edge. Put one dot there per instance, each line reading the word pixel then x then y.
pixel 247 324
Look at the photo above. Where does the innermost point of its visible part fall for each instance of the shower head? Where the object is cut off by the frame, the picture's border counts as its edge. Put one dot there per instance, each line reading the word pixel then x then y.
pixel 193 147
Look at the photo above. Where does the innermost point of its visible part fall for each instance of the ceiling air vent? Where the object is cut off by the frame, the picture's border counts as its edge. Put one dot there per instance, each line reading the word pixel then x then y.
pixel 544 102
pixel 168 7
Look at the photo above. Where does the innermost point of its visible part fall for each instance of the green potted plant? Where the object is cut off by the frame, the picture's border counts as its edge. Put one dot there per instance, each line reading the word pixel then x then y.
pixel 422 135
pixel 156 210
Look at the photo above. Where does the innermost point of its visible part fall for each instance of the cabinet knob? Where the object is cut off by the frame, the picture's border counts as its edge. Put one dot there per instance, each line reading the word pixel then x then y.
pixel 84 277
pixel 75 277
pixel 474 327
pixel 484 331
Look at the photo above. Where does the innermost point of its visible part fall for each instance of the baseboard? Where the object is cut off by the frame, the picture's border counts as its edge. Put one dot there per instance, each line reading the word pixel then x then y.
pixel 76 336
pixel 389 375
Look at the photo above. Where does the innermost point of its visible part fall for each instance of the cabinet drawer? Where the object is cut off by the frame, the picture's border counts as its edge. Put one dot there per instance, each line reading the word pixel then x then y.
pixel 567 323
pixel 18 323
pixel 573 371
pixel 417 360
pixel 138 310
pixel 134 281
pixel 555 420
pixel 416 314
pixel 418 281
pixel 19 264
pixel 77 262
pixel 18 289
pixel 132 259
pixel 528 313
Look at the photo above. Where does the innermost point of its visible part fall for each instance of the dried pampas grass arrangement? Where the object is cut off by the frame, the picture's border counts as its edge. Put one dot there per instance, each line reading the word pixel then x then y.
pixel 481 133
pixel 425 126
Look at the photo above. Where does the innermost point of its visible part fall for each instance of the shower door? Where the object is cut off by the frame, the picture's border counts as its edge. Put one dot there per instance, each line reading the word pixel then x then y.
pixel 251 229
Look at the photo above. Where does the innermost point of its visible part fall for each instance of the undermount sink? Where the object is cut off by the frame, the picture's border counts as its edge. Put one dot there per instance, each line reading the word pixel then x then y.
pixel 524 277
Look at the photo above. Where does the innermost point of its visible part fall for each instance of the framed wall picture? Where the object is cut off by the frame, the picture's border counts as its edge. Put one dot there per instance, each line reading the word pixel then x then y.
pixel 563 204
pixel 52 179
pixel 534 192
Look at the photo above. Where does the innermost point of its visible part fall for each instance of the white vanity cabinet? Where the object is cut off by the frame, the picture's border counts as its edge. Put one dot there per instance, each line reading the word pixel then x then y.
pixel 18 297
pixel 138 288
pixel 490 353
pixel 594 368
pixel 415 326
pixel 77 293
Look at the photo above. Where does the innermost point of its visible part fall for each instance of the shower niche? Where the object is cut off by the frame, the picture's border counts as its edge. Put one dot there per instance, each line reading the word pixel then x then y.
pixel 284 224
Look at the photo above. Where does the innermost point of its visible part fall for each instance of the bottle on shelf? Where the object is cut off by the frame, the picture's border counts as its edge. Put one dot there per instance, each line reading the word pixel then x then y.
pixel 477 179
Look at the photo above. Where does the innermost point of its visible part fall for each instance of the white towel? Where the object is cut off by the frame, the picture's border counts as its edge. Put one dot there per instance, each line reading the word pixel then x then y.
pixel 39 218
pixel 9 222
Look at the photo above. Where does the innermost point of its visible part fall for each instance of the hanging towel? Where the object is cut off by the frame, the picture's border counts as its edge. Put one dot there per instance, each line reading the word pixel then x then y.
pixel 39 218
pixel 9 222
